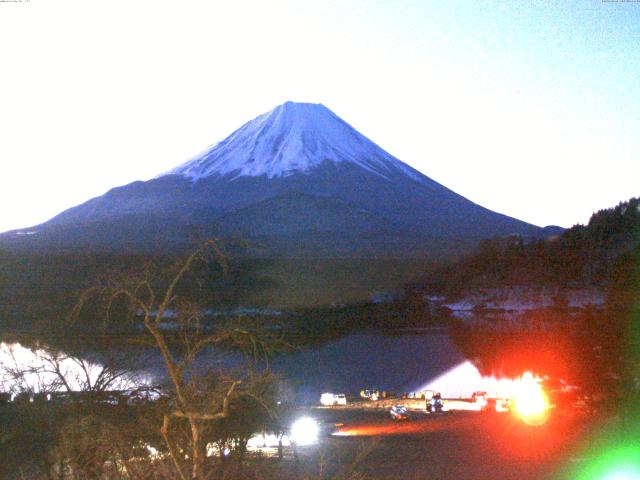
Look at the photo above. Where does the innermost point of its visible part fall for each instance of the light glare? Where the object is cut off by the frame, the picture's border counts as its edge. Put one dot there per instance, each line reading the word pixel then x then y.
pixel 530 401
pixel 304 431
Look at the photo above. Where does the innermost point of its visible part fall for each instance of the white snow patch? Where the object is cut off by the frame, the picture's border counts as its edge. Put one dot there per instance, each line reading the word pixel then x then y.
pixel 291 138
pixel 522 298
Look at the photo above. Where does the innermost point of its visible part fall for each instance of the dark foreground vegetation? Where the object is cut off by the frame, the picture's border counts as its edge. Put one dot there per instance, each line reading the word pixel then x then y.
pixel 108 442
pixel 203 408
pixel 601 254
pixel 208 409
pixel 38 289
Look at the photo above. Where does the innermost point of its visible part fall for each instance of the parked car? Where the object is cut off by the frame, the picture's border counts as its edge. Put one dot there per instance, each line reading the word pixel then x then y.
pixel 371 394
pixel 328 399
pixel 340 399
pixel 503 405
pixel 399 412
pixel 490 404
pixel 435 404
pixel 480 398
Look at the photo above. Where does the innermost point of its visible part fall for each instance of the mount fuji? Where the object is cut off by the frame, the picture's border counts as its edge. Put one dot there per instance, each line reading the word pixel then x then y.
pixel 299 182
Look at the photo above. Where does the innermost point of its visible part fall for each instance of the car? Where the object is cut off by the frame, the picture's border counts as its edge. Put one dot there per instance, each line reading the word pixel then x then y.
pixel 329 399
pixel 480 398
pixel 399 412
pixel 503 405
pixel 488 403
pixel 340 399
pixel 371 394
pixel 326 399
pixel 435 404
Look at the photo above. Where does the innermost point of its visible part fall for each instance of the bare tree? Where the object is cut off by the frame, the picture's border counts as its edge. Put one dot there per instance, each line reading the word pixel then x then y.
pixel 45 369
pixel 199 399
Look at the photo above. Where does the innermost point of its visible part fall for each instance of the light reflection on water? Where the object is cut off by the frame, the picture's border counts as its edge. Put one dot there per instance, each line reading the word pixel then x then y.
pixel 367 360
pixel 24 369
pixel 398 363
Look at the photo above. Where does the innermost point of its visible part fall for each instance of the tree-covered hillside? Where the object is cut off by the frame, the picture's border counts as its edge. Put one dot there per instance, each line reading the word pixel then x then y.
pixel 598 254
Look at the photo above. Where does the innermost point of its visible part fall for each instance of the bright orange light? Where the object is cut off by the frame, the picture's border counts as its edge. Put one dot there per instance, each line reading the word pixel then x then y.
pixel 530 402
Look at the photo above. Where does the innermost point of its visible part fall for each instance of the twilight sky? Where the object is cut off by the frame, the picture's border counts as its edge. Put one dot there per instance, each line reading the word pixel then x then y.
pixel 531 109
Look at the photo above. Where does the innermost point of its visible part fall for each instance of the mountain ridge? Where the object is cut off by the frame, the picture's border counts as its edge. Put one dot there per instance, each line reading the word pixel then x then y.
pixel 296 147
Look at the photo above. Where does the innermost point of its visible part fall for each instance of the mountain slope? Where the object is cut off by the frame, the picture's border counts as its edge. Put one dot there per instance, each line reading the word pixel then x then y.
pixel 299 180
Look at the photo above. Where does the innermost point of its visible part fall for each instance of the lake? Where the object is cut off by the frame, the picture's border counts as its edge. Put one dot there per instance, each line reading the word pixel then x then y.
pixel 404 362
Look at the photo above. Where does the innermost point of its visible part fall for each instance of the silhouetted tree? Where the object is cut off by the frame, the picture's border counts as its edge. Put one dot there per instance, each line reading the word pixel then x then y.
pixel 203 401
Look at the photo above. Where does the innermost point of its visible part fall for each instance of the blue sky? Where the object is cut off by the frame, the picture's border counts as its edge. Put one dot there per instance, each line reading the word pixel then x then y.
pixel 528 108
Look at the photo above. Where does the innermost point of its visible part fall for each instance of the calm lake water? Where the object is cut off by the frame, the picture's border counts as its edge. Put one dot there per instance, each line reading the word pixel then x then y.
pixel 399 363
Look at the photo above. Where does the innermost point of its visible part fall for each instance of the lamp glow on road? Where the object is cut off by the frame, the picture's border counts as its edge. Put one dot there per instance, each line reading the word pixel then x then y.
pixel 304 431
pixel 530 401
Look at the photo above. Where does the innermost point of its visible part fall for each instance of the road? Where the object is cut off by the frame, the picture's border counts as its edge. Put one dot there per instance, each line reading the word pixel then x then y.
pixel 459 445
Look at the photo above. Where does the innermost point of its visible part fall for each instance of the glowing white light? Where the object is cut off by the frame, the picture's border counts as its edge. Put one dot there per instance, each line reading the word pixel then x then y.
pixel 530 400
pixel 154 453
pixel 269 440
pixel 623 474
pixel 304 431
pixel 465 378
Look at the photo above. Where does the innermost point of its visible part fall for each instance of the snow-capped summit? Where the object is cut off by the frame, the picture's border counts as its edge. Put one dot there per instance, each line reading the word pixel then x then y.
pixel 291 138
pixel 297 180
